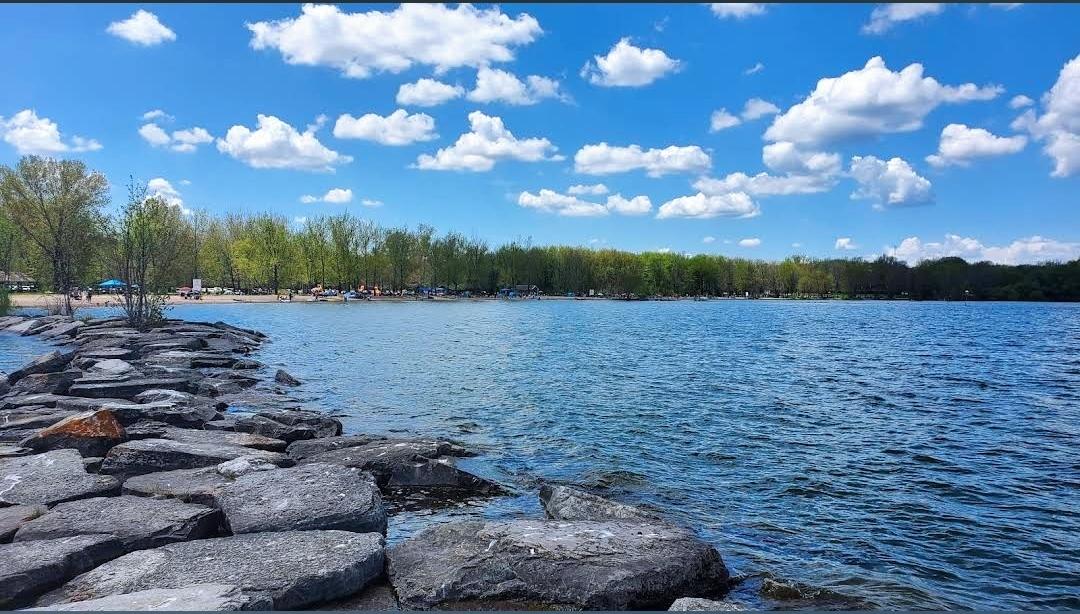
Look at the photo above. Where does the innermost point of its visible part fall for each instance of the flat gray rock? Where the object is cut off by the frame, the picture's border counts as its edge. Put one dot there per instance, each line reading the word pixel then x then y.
pixel 295 569
pixel 127 389
pixel 608 565
pixel 300 450
pixel 13 517
pixel 194 598
pixel 246 440
pixel 51 478
pixel 188 485
pixel 112 366
pixel 407 463
pixel 47 363
pixel 160 394
pixel 309 497
pixel 57 382
pixel 138 522
pixel 261 425
pixel 696 604
pixel 24 400
pixel 65 329
pixel 28 569
pixel 152 455
pixel 324 425
pixel 566 503
pixel 106 353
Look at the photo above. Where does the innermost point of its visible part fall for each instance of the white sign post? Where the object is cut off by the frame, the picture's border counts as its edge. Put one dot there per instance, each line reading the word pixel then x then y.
pixel 196 285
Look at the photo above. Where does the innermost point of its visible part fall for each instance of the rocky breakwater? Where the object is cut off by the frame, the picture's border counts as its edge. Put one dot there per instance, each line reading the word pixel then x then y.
pixel 167 469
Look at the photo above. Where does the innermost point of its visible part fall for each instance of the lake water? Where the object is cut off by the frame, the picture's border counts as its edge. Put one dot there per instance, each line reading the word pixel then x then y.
pixel 915 455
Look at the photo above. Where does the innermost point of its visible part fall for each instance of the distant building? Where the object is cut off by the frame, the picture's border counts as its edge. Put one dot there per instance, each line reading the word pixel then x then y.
pixel 17 281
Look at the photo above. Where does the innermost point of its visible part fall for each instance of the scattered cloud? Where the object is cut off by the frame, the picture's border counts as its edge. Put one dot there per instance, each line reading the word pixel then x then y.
pixel 604 159
pixel 889 184
pixel 755 69
pixel 629 66
pixel 1028 250
pixel 702 206
pixel 371 202
pixel 156 114
pixel 845 243
pixel 30 134
pixel 361 44
pixel 494 85
pixel 708 239
pixel 142 28
pixel 398 128
pixel 736 10
pixel 754 108
pixel 159 187
pixel 870 101
pixel 796 245
pixel 596 189
pixel 337 196
pixel 750 242
pixel 960 144
pixel 276 144
pixel 1007 6
pixel 1059 125
pixel 1021 101
pixel 885 16
pixel 721 119
pixel 428 93
pixel 487 142
pixel 183 141
pixel 571 206
pixel 801 172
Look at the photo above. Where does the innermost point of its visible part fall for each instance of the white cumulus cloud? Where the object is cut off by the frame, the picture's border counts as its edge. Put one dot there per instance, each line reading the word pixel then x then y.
pixel 338 196
pixel 398 128
pixel 1027 250
pixel 750 242
pixel 721 119
pixel 571 206
pixel 276 144
pixel 702 206
pixel 596 189
pixel 494 85
pixel 885 16
pixel 156 114
pixel 1058 128
pixel 184 141
pixel 159 187
pixel 753 109
pixel 428 93
pixel 360 44
pixel 737 10
pixel 845 243
pixel 628 66
pixel 870 101
pixel 604 159
pixel 30 134
pixel 890 183
pixel 487 142
pixel 960 144
pixel 142 28
pixel 801 172
pixel 1021 101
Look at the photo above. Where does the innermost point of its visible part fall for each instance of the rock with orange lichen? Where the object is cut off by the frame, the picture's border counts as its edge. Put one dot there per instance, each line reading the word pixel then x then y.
pixel 92 433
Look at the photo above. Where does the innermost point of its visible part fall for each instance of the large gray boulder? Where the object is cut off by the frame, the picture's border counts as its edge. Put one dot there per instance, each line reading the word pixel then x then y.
pixel 25 400
pixel 57 382
pixel 299 450
pixel 407 463
pixel 64 329
pixel 15 516
pixel 194 598
pixel 188 485
pixel 246 440
pixel 260 425
pixel 112 366
pixel 138 522
pixel 128 388
pixel 324 425
pixel 92 433
pixel 151 455
pixel 51 478
pixel 282 377
pixel 566 503
pixel 605 565
pixel 295 569
pixel 161 394
pixel 47 363
pixel 696 604
pixel 308 497
pixel 28 569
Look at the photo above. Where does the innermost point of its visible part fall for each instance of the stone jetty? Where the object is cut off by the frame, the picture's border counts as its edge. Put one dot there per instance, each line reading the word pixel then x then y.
pixel 169 469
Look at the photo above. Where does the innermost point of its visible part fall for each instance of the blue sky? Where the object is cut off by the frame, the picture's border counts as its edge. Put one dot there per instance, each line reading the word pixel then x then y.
pixel 942 158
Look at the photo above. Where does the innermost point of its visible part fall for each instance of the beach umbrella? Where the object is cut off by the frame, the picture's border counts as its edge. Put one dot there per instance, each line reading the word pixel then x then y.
pixel 111 283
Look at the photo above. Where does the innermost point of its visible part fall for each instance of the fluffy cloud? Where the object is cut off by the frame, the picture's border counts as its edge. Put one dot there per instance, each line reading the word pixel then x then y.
pixel 845 243
pixel 160 187
pixel 753 109
pixel 596 189
pixel 398 128
pixel 604 159
pixel 736 10
pixel 702 206
pixel 338 196
pixel 428 93
pixel 494 85
pixel 803 172
pixel 184 141
pixel 885 16
pixel 893 183
pixel 1059 125
pixel 1021 101
pixel 155 114
pixel 572 206
pixel 360 44
pixel 628 66
pixel 870 101
pixel 751 242
pixel 276 144
pixel 786 157
pixel 960 144
pixel 142 28
pixel 721 119
pixel 1028 250
pixel 30 134
pixel 487 142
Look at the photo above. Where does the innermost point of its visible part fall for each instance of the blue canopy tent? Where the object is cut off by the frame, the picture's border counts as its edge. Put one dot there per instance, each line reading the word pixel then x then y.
pixel 111 284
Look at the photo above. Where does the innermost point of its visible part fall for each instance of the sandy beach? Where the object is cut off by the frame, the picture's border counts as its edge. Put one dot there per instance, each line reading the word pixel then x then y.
pixel 43 300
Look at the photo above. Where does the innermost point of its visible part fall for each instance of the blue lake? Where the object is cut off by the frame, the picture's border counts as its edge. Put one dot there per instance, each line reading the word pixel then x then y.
pixel 916 455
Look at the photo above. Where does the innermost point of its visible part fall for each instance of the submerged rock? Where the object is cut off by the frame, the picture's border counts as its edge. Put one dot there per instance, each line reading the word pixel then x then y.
pixel 27 569
pixel 308 497
pixel 282 377
pixel 295 569
pixel 153 455
pixel 566 503
pixel 138 522
pixel 51 478
pixel 605 565
pixel 91 433
pixel 194 598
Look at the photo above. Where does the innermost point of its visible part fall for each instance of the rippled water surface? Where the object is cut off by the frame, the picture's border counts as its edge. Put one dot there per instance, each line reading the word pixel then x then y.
pixel 916 455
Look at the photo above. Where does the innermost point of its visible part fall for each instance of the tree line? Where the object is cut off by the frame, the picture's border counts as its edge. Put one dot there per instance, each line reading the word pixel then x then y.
pixel 53 226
